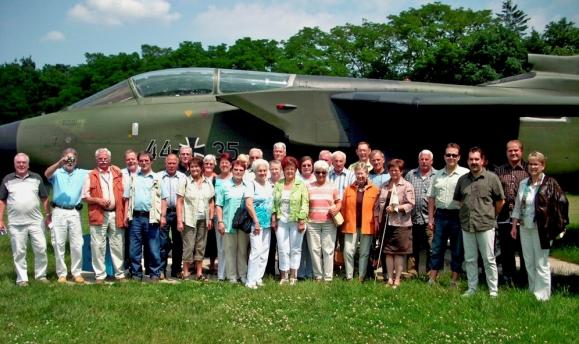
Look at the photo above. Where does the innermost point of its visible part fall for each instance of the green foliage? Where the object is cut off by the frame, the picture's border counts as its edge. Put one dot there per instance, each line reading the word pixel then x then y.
pixel 308 52
pixel 422 33
pixel 494 53
pixel 562 37
pixel 249 54
pixel 366 50
pixel 559 38
pixel 513 18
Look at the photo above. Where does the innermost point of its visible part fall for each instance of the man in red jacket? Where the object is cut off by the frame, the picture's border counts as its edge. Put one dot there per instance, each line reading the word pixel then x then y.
pixel 103 192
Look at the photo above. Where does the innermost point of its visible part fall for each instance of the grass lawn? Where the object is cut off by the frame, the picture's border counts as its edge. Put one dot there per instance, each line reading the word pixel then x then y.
pixel 342 312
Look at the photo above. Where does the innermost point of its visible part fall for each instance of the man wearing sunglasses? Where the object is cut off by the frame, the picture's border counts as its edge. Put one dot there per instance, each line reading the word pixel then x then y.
pixel 443 217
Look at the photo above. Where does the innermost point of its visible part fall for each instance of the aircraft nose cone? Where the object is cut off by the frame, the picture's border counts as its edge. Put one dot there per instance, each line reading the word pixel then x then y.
pixel 8 135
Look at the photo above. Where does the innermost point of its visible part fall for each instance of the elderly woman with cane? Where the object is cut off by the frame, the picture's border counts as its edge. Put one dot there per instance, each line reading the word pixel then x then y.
pixel 395 207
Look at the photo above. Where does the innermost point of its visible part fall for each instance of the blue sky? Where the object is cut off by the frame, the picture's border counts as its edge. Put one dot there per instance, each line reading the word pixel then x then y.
pixel 62 31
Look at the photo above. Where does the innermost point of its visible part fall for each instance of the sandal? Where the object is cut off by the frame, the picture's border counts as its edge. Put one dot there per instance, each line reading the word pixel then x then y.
pixel 201 278
pixel 185 276
pixel 396 284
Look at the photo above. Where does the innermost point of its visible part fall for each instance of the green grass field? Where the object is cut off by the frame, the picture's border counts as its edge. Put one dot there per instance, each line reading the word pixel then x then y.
pixel 339 312
pixel 342 312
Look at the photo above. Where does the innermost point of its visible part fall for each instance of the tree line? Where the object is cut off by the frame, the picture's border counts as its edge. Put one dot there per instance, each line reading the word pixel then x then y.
pixel 433 43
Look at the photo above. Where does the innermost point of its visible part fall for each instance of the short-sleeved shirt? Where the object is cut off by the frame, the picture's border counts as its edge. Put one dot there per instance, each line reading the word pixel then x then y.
pixel 443 185
pixel 421 184
pixel 143 184
pixel 196 199
pixel 171 185
pixel 510 178
pixel 22 196
pixel 341 179
pixel 67 187
pixel 478 196
pixel 229 198
pixel 127 177
pixel 321 200
pixel 218 182
pixel 262 201
pixel 378 179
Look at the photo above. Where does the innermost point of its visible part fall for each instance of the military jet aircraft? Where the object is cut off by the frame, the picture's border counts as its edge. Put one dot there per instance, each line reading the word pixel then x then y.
pixel 219 110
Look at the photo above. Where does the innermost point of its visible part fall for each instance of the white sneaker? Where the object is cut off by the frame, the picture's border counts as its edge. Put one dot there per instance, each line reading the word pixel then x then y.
pixel 260 283
pixel 469 293
pixel 494 294
pixel 251 286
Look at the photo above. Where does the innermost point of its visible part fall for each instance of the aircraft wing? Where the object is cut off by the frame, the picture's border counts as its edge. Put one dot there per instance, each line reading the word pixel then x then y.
pixel 523 104
pixel 338 117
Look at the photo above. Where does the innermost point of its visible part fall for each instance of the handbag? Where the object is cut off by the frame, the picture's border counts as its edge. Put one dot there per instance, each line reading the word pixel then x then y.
pixel 241 220
pixel 338 219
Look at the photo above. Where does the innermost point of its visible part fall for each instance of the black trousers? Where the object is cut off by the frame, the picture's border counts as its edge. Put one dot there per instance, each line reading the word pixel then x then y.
pixel 173 244
pixel 508 247
pixel 420 241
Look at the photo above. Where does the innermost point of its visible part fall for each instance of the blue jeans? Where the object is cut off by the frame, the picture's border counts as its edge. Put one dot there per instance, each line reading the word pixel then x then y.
pixel 447 225
pixel 141 232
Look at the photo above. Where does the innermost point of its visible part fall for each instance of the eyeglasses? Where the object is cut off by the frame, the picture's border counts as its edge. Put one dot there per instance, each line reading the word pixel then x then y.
pixel 448 155
pixel 323 173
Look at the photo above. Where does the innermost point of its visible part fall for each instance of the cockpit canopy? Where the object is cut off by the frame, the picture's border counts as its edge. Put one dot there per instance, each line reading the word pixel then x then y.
pixel 186 82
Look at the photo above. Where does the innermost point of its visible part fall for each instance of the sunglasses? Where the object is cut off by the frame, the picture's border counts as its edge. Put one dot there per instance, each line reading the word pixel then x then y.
pixel 448 155
pixel 323 173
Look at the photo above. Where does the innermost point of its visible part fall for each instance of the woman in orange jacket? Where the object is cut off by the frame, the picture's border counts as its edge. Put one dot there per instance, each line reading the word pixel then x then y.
pixel 359 221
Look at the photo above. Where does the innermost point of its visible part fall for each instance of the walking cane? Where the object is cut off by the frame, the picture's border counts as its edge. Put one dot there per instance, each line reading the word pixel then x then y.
pixel 380 252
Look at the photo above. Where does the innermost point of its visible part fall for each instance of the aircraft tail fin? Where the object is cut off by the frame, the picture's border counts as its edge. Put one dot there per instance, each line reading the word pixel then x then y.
pixel 557 74
pixel 555 64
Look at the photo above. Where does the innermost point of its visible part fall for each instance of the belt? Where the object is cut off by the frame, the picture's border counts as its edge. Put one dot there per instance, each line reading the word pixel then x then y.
pixel 448 211
pixel 138 213
pixel 171 209
pixel 67 207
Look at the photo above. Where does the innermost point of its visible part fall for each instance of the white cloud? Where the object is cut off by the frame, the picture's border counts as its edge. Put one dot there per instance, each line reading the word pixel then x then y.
pixel 219 24
pixel 118 12
pixel 53 36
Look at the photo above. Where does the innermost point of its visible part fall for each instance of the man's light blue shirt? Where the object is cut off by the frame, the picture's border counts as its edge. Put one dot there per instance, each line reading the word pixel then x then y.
pixel 143 184
pixel 67 187
pixel 171 185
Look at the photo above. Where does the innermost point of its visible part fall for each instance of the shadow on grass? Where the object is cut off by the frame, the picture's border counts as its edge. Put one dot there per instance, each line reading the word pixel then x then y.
pixel 562 283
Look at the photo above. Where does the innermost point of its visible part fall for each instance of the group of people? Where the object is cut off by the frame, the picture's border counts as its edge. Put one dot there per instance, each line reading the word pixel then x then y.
pixel 388 217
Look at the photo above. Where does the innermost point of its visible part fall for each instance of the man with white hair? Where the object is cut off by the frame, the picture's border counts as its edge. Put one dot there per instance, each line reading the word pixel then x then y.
pixel 67 181
pixel 326 155
pixel 185 155
pixel 103 193
pixel 279 151
pixel 21 192
pixel 254 154
pixel 420 178
pixel 339 175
